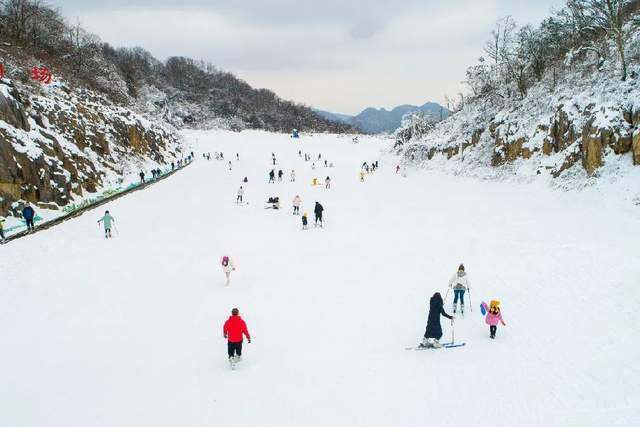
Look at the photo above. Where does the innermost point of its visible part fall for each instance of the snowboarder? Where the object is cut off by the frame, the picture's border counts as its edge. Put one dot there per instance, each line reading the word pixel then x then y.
pixel 433 333
pixel 305 221
pixel 272 177
pixel 493 316
pixel 297 201
pixel 459 283
pixel 141 177
pixel 240 194
pixel 280 174
pixel 227 267
pixel 233 330
pixel 106 220
pixel 2 237
pixel 293 175
pixel 327 183
pixel 28 214
pixel 317 210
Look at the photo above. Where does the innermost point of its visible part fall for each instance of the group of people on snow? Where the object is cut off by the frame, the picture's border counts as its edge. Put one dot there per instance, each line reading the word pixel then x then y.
pixel 459 284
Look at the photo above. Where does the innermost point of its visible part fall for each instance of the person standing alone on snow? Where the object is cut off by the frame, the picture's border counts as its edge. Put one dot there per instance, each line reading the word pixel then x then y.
pixel 318 212
pixel 227 267
pixel 459 283
pixel 106 220
pixel 240 194
pixel 433 333
pixel 233 330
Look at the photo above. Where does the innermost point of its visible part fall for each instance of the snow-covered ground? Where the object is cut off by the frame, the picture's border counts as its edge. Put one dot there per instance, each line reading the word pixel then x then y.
pixel 128 332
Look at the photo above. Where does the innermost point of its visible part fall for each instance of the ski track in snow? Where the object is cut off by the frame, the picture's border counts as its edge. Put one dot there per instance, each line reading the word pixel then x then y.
pixel 128 332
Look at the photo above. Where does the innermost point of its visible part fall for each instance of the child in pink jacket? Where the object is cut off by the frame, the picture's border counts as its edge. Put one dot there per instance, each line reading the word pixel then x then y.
pixel 493 317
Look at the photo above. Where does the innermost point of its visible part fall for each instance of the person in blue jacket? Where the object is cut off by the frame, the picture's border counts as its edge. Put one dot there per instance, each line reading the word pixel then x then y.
pixel 28 214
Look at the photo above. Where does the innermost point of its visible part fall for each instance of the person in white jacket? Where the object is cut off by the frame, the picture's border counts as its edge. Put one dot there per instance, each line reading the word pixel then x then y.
pixel 297 201
pixel 227 267
pixel 459 283
pixel 240 194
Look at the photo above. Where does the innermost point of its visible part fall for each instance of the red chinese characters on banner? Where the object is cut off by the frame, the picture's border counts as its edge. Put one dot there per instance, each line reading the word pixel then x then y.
pixel 1 71
pixel 41 74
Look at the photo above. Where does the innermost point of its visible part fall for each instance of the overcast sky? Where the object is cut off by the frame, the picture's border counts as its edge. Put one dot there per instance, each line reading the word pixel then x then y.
pixel 338 55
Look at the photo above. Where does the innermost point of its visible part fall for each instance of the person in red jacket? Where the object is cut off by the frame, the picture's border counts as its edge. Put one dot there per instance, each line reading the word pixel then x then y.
pixel 233 330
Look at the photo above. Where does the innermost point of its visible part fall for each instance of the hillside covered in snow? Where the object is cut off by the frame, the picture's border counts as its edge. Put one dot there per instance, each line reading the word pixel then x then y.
pixel 108 112
pixel 558 100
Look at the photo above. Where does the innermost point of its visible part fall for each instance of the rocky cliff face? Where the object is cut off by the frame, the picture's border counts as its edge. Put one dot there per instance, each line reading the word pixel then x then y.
pixel 58 144
pixel 581 127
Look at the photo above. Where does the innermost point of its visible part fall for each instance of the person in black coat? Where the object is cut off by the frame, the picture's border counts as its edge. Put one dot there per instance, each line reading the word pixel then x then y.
pixel 433 333
pixel 318 212
pixel 28 214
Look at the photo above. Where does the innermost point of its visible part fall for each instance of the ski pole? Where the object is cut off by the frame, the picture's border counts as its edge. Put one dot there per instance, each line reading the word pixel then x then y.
pixel 116 228
pixel 446 295
pixel 452 334
pixel 470 303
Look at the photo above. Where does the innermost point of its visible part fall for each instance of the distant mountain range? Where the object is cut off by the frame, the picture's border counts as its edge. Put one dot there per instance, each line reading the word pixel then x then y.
pixel 372 120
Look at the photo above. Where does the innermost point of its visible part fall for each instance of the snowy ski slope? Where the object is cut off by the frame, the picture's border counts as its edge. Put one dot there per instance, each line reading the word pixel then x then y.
pixel 128 332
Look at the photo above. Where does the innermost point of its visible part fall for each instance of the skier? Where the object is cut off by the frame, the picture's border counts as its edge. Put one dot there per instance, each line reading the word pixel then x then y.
pixel 493 317
pixel 293 175
pixel 327 183
pixel 280 173
pixel 297 201
pixel 459 283
pixel 272 177
pixel 433 333
pixel 28 214
pixel 305 221
pixel 106 220
pixel 227 267
pixel 141 177
pixel 233 330
pixel 317 210
pixel 2 237
pixel 240 194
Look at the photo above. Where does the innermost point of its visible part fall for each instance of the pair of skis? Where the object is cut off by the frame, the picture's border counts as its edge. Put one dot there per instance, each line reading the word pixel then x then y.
pixel 442 345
